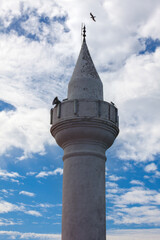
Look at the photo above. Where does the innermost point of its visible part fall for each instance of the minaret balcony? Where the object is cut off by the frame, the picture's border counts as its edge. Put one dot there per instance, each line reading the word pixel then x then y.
pixel 81 120
pixel 71 109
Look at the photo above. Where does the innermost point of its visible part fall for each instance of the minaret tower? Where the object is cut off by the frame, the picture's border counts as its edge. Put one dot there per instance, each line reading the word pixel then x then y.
pixel 85 126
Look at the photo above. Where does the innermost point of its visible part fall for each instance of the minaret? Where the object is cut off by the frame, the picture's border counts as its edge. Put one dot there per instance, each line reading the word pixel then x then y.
pixel 85 126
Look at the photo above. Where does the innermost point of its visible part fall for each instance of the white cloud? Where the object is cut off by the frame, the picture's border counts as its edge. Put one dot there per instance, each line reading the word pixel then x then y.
pixel 136 182
pixel 137 215
pixel 111 184
pixel 29 194
pixel 28 126
pixel 138 195
pixel 5 175
pixel 48 205
pixel 58 170
pixel 44 174
pixel 150 29
pixel 4 191
pixel 157 174
pixel 30 235
pixel 9 10
pixel 132 234
pixel 112 188
pixel 136 91
pixel 45 205
pixel 7 192
pixel 151 167
pixel 137 205
pixel 33 213
pixel 15 180
pixel 6 207
pixel 115 178
pixel 9 222
pixel 31 173
pixel 24 134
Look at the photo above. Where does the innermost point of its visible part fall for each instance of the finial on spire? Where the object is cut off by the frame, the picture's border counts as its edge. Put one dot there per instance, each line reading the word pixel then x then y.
pixel 84 32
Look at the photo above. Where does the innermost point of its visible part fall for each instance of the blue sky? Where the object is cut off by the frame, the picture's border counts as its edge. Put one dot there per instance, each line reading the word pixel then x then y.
pixel 39 45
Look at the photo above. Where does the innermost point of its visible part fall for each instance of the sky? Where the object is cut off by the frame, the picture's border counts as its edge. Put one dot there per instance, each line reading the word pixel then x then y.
pixel 39 44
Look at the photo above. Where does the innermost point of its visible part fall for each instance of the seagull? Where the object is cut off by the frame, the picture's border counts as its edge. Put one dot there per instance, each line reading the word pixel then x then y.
pixel 93 17
pixel 112 103
pixel 56 101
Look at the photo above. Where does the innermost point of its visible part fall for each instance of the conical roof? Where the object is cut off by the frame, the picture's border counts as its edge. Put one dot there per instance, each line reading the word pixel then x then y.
pixel 85 82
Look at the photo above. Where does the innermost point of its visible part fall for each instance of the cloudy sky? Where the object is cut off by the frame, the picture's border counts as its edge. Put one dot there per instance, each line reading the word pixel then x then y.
pixel 39 44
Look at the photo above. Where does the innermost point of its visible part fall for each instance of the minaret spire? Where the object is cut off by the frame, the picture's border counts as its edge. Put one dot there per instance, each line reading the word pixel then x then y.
pixel 85 82
pixel 84 33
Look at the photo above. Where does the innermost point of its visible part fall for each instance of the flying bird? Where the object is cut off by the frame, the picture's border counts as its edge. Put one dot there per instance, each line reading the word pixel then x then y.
pixel 93 17
pixel 56 101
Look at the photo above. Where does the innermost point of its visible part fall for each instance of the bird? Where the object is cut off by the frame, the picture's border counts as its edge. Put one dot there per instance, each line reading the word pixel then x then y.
pixel 56 101
pixel 112 103
pixel 93 17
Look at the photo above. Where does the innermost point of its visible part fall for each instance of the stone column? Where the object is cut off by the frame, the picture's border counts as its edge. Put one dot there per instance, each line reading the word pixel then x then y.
pixel 84 140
